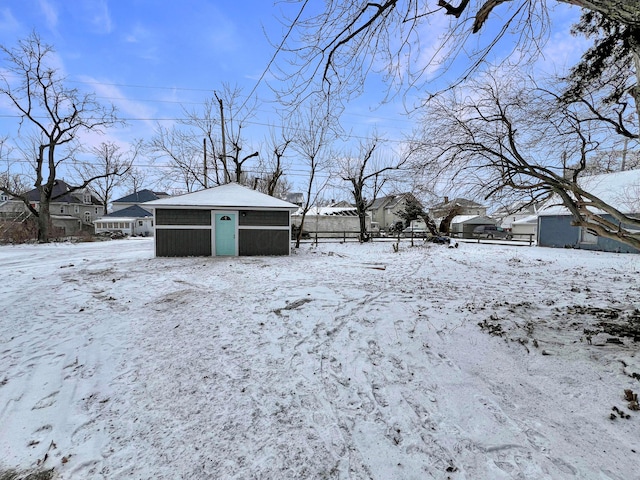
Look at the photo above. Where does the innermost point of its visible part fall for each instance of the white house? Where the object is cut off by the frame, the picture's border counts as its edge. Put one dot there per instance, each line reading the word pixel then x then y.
pixel 130 221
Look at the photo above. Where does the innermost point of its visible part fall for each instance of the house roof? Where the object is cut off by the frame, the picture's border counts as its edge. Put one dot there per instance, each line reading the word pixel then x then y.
pixel 472 220
pixel 134 211
pixel 529 219
pixel 61 194
pixel 389 201
pixel 515 208
pixel 330 211
pixel 231 196
pixel 463 202
pixel 140 196
pixel 621 190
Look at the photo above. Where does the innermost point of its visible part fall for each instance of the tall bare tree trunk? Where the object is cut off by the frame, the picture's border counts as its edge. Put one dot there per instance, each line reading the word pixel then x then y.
pixel 44 218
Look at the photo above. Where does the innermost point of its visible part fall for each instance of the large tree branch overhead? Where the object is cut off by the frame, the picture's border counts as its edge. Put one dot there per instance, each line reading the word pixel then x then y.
pixel 334 51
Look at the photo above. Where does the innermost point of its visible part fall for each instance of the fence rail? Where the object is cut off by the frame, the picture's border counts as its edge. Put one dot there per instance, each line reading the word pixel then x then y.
pixel 351 236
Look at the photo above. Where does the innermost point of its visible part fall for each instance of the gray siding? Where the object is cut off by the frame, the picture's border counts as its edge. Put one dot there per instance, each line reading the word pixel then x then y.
pixel 557 231
pixel 166 216
pixel 263 242
pixel 183 243
pixel 256 218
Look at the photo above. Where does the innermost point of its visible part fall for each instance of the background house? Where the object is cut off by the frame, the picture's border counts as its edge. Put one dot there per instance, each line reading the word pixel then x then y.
pixel 11 208
pixel 620 190
pixel 131 221
pixel 463 225
pixel 525 228
pixel 227 220
pixel 330 219
pixel 384 210
pixel 71 211
pixel 129 216
pixel 506 215
pixel 137 198
pixel 463 206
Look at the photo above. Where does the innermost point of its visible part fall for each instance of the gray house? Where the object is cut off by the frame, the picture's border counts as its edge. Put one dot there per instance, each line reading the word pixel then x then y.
pixel 71 211
pixel 385 210
pixel 620 190
pixel 228 220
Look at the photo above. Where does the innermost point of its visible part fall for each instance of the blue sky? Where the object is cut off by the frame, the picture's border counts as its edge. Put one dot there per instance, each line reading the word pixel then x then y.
pixel 151 57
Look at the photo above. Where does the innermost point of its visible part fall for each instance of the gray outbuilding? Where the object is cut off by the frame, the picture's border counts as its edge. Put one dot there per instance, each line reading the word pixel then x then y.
pixel 621 190
pixel 228 220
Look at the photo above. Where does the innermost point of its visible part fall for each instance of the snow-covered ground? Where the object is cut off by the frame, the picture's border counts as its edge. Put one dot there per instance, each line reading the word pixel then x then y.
pixel 340 361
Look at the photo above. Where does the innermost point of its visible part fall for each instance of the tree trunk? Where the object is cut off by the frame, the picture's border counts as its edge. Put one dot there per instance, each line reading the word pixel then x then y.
pixel 299 235
pixel 44 219
pixel 362 216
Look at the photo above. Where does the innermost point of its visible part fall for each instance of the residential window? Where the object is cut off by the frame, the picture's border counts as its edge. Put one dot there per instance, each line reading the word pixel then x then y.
pixel 76 209
pixel 587 236
pixel 87 217
pixel 97 211
pixel 61 208
pixel 139 223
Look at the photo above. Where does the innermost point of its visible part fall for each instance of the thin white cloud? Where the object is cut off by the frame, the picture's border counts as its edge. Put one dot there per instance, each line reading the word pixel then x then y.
pixel 50 13
pixel 111 93
pixel 8 22
pixel 138 34
pixel 99 17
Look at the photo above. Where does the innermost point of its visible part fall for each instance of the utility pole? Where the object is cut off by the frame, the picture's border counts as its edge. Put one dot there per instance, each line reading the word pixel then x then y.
pixel 224 140
pixel 204 150
pixel 624 155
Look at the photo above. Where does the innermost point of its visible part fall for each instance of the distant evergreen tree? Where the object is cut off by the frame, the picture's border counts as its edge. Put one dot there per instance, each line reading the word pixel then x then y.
pixel 413 211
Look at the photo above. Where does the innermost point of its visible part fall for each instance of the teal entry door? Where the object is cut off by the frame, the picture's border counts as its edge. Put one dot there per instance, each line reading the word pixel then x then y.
pixel 225 225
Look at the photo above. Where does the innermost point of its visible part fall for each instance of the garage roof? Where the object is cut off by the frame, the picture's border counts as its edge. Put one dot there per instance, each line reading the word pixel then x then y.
pixel 229 196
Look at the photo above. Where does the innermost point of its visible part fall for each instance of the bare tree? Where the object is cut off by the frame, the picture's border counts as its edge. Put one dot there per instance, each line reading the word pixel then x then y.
pixel 207 147
pixel 236 116
pixel 338 47
pixel 51 116
pixel 504 139
pixel 311 143
pixel 135 178
pixel 205 141
pixel 270 179
pixel 366 175
pixel 183 163
pixel 114 163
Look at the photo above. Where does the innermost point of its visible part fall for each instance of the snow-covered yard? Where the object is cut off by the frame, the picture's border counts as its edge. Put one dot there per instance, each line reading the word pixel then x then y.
pixel 340 361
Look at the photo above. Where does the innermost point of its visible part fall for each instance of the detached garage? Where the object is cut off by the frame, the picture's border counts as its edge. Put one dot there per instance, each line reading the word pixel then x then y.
pixel 228 220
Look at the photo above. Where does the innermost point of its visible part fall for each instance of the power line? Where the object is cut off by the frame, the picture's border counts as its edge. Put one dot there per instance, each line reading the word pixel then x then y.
pixel 268 67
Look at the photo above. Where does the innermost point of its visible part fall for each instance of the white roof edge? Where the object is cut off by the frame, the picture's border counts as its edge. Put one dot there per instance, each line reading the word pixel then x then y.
pixel 229 196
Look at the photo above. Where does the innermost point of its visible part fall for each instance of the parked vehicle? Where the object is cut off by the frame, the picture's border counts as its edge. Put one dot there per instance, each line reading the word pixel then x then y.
pixel 491 231
pixel 414 232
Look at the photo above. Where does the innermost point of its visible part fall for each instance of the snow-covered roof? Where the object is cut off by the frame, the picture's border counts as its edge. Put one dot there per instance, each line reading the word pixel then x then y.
pixel 529 219
pixel 620 190
pixel 472 219
pixel 335 211
pixel 231 195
